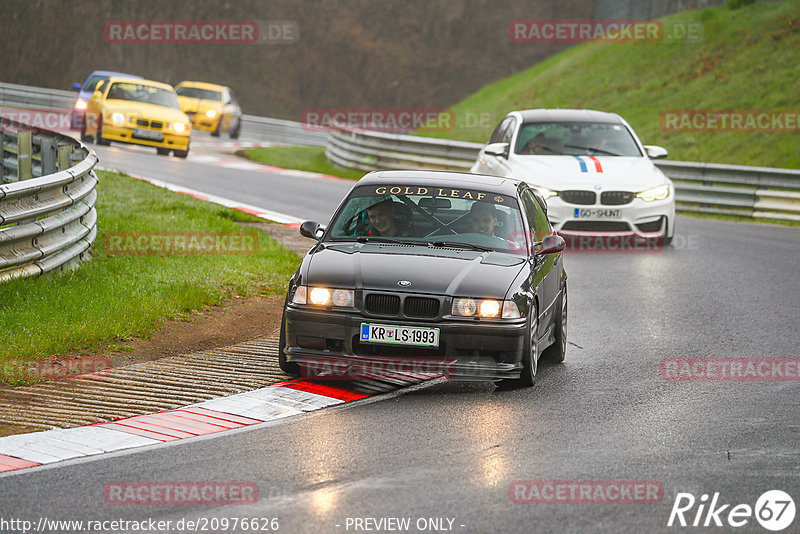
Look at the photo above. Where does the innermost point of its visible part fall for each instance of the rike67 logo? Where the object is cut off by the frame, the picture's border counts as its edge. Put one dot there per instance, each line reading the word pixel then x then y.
pixel 774 510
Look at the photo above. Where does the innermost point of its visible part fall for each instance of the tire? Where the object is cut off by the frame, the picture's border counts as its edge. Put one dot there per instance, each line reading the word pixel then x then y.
pixel 162 151
pixel 218 131
pixel 555 353
pixel 100 141
pixel 85 138
pixel 290 368
pixel 181 153
pixel 234 133
pixel 530 353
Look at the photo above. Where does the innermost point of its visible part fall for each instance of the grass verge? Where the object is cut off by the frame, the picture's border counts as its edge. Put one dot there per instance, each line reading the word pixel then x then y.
pixel 302 158
pixel 115 297
pixel 746 60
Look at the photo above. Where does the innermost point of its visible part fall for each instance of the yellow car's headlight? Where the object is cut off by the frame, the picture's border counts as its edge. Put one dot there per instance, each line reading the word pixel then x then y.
pixel 80 104
pixel 487 308
pixel 178 126
pixel 654 193
pixel 117 118
pixel 322 296
pixel 211 113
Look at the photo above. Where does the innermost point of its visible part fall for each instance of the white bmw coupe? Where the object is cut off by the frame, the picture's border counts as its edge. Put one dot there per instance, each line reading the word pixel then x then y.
pixel 591 168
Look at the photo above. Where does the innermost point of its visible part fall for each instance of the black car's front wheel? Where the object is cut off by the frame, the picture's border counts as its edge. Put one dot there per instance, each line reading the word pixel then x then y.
pixel 530 351
pixel 555 353
pixel 287 367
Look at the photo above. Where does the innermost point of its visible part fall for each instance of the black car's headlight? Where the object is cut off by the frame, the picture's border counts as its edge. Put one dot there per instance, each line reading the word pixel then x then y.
pixel 487 308
pixel 323 296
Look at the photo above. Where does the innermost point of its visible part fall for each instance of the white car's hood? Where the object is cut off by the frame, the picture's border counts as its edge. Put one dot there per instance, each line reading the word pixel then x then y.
pixel 599 173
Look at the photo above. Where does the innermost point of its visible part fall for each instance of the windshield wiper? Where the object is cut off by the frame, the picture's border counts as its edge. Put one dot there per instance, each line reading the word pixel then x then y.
pixel 459 244
pixel 383 239
pixel 592 148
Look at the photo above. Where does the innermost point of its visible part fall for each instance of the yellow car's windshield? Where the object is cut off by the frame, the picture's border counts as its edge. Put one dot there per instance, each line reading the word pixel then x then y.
pixel 202 94
pixel 147 94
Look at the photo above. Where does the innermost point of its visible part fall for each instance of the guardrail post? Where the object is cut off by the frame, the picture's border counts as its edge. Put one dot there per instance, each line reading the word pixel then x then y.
pixel 63 158
pixel 48 155
pixel 24 152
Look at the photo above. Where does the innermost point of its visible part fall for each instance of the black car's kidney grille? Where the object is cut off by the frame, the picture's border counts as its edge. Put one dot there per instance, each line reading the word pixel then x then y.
pixel 616 198
pixel 378 304
pixel 421 308
pixel 583 198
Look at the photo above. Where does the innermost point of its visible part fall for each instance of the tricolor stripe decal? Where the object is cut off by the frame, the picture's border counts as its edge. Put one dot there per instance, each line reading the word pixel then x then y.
pixel 583 164
pixel 597 166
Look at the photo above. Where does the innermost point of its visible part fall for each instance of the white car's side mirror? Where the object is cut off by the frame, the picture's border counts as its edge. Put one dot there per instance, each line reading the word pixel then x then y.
pixel 496 149
pixel 656 152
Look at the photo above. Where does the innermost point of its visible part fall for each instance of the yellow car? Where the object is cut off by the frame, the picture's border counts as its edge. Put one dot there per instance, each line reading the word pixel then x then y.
pixel 137 111
pixel 211 107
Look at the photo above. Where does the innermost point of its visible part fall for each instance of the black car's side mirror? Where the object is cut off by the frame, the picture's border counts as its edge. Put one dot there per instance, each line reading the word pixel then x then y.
pixel 312 230
pixel 551 244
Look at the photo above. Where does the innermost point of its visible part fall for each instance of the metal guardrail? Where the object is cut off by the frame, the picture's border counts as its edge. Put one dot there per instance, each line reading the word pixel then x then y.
pixel 254 128
pixel 700 187
pixel 281 131
pixel 47 197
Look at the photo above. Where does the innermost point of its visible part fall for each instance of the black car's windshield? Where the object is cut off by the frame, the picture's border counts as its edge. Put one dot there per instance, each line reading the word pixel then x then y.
pixel 576 139
pixel 196 92
pixel 460 217
pixel 137 92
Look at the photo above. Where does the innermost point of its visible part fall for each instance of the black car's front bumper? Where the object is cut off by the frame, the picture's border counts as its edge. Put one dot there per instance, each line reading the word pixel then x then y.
pixel 328 341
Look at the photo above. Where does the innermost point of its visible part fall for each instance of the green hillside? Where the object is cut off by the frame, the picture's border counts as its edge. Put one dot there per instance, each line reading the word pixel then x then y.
pixel 748 59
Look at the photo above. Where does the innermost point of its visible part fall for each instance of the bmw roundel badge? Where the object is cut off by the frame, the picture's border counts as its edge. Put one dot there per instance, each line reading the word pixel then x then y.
pixel 404 283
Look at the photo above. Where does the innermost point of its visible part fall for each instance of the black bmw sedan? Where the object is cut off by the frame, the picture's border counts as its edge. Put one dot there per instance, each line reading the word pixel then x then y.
pixel 428 271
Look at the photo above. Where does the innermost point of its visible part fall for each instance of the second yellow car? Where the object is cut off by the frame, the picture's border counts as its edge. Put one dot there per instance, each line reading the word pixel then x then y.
pixel 211 107
pixel 142 112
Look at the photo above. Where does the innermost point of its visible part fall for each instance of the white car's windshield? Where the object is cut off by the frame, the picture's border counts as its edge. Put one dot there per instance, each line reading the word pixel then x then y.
pixel 576 139
pixel 430 214
pixel 136 92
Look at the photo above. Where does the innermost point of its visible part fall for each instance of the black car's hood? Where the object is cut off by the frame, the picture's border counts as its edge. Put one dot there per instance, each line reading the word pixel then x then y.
pixel 430 270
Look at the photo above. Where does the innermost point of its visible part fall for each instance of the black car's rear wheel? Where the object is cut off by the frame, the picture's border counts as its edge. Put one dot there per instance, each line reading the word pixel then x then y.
pixel 287 367
pixel 555 353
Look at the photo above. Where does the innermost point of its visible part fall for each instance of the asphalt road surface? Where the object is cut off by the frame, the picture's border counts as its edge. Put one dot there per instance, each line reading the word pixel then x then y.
pixel 445 456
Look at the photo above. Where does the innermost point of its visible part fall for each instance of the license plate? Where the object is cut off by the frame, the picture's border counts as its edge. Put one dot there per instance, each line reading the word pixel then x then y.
pixel 148 134
pixel 400 335
pixel 586 213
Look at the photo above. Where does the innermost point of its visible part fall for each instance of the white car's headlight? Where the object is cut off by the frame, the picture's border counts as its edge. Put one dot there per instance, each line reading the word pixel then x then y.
pixel 211 113
pixel 80 104
pixel 545 192
pixel 117 118
pixel 322 296
pixel 655 193
pixel 488 308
